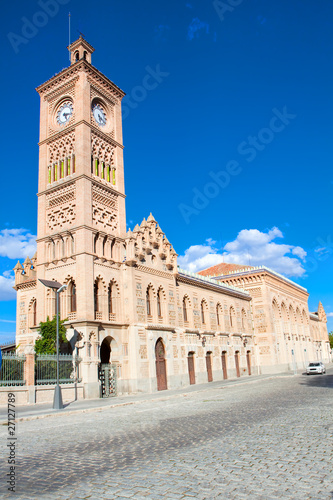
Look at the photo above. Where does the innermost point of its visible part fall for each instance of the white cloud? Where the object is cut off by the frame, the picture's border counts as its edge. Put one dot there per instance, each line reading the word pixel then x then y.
pixel 251 247
pixel 6 288
pixel 329 315
pixel 17 243
pixel 199 257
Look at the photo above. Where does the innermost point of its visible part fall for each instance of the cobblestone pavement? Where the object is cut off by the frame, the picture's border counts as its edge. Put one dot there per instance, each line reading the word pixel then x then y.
pixel 269 439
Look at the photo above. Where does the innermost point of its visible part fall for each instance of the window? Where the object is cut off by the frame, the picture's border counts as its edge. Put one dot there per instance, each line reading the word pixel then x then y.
pixel 72 291
pixel 232 315
pixel 148 302
pixel 202 312
pixel 159 308
pixel 111 298
pixel 96 301
pixel 34 313
pixel 185 316
pixel 218 314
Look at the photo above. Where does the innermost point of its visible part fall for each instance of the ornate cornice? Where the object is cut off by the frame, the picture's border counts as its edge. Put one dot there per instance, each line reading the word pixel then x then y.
pixel 211 286
pixel 73 178
pixel 57 135
pixel 155 272
pixel 72 70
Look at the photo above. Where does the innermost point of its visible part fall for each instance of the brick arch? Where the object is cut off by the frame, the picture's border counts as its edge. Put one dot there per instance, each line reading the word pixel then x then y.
pixel 305 317
pixel 292 315
pixel 276 309
pixel 100 278
pixel 152 288
pixel 298 315
pixel 284 311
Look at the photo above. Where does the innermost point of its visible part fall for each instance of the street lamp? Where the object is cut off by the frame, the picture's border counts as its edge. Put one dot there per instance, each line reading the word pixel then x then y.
pixel 58 288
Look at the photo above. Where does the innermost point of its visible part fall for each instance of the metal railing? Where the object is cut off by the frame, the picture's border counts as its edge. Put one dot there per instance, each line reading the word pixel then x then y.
pixel 46 369
pixel 12 370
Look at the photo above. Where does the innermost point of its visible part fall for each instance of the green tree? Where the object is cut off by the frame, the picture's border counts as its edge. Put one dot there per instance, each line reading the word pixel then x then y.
pixel 46 344
pixel 330 336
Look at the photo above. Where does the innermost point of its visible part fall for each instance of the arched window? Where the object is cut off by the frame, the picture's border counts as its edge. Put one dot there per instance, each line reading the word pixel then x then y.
pixel 77 55
pixel 243 320
pixel 219 313
pixel 202 312
pixel 85 55
pixel 111 291
pixel 185 315
pixel 232 317
pixel 113 249
pixel 159 305
pixel 72 291
pixel 148 302
pixel 95 242
pixel 34 313
pixel 96 301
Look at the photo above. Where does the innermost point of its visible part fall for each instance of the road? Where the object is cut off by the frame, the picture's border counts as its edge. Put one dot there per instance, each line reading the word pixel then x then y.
pixel 268 439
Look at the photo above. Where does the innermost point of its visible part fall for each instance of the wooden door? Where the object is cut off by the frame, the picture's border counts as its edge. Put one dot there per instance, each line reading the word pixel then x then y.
pixel 224 365
pixel 191 371
pixel 209 367
pixel 237 364
pixel 248 360
pixel 160 366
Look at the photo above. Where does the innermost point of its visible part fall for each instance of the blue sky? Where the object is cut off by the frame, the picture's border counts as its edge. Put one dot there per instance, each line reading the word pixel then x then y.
pixel 231 149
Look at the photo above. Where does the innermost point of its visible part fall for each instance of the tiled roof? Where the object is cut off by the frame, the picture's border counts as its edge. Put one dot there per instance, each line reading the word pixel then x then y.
pixel 223 268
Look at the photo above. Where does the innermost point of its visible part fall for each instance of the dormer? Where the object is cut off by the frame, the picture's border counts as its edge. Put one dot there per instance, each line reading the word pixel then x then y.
pixel 80 49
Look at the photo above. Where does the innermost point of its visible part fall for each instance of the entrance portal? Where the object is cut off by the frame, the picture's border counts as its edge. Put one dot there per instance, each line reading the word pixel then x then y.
pixel 237 363
pixel 160 366
pixel 209 367
pixel 224 365
pixel 191 371
pixel 107 372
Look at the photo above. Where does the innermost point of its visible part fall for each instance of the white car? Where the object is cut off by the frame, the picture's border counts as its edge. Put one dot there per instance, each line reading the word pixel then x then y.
pixel 317 367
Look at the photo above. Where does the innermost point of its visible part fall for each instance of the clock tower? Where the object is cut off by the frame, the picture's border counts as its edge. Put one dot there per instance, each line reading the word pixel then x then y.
pixel 81 200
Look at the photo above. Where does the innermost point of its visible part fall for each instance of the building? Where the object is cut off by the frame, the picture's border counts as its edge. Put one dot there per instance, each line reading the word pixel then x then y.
pixel 288 336
pixel 126 300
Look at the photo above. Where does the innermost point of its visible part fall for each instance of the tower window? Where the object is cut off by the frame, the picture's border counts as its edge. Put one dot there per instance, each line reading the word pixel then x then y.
pixel 73 297
pixel 77 55
pixel 111 299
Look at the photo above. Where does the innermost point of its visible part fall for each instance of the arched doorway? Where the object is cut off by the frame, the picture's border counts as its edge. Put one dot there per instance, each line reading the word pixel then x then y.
pixel 248 361
pixel 237 363
pixel 224 365
pixel 209 366
pixel 191 371
pixel 105 351
pixel 160 366
pixel 107 372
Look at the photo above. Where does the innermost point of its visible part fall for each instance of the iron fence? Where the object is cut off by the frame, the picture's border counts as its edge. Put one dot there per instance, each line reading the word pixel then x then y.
pixel 46 369
pixel 12 370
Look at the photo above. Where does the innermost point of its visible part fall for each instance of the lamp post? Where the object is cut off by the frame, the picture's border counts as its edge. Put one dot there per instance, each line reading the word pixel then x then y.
pixel 58 288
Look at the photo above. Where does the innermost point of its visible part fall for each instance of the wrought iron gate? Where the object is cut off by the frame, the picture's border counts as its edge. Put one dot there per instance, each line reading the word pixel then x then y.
pixel 108 377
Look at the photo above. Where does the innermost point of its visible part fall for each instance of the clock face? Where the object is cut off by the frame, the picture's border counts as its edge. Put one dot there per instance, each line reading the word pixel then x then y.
pixel 64 113
pixel 99 115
